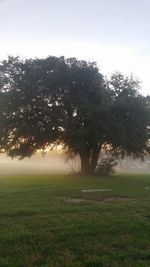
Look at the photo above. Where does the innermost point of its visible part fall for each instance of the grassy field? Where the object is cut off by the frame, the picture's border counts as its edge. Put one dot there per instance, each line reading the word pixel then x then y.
pixel 48 221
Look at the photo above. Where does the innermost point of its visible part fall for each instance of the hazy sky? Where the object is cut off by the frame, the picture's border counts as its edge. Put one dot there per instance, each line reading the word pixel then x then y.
pixel 115 33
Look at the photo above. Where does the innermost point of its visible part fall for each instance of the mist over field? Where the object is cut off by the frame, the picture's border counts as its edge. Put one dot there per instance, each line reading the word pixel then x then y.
pixel 135 166
pixel 49 163
pixel 55 162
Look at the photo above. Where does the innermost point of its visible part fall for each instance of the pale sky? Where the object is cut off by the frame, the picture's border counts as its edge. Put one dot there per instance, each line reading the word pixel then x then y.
pixel 115 33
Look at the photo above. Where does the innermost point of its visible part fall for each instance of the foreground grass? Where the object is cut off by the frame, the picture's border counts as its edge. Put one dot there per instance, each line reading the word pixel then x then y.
pixel 47 221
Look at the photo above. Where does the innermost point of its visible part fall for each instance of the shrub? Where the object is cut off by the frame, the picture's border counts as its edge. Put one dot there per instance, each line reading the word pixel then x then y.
pixel 106 166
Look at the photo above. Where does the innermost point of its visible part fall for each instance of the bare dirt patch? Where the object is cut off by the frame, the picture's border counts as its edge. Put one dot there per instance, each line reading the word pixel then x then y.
pixel 93 201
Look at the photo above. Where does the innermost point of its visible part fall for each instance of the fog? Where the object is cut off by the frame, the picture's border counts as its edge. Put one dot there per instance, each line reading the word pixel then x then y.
pixel 51 162
pixel 55 162
pixel 135 166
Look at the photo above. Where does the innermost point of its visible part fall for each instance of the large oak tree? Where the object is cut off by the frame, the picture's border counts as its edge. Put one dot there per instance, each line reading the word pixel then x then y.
pixel 57 100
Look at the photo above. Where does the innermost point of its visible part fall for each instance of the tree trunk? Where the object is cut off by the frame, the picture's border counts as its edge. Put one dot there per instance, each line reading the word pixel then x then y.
pixel 94 159
pixel 89 162
pixel 85 166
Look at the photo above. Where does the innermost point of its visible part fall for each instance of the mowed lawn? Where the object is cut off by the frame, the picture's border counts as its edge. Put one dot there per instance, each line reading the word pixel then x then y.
pixel 48 221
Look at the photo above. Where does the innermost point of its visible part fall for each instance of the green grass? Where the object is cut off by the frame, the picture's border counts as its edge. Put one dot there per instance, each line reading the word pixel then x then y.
pixel 39 227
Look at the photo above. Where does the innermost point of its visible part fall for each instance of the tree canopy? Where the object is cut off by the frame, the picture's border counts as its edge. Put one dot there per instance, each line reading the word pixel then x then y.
pixel 57 100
